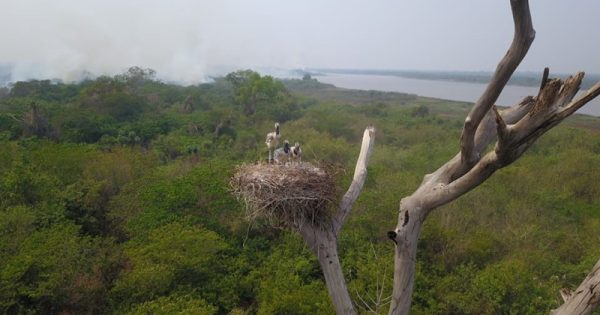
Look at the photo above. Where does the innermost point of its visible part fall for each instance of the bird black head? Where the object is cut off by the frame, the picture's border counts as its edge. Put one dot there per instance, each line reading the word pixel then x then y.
pixel 286 146
pixel 277 128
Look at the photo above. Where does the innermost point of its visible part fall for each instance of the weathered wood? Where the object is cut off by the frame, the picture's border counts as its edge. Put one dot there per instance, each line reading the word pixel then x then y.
pixel 415 208
pixel 585 299
pixel 514 138
pixel 515 129
pixel 405 255
pixel 544 78
pixel 358 181
pixel 322 240
pixel 323 244
pixel 523 37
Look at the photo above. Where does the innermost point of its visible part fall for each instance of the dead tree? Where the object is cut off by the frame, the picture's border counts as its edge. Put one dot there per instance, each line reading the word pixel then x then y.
pixel 33 121
pixel 515 130
pixel 322 241
pixel 300 197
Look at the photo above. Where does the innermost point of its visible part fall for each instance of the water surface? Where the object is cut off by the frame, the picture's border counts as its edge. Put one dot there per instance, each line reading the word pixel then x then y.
pixel 450 90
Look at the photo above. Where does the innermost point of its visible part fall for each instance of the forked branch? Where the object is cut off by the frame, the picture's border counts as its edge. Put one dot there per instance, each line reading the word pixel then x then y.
pixel 523 37
pixel 514 139
pixel 322 240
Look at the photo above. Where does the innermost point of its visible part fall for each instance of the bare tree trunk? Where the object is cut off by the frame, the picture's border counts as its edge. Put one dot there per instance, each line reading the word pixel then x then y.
pixel 405 256
pixel 585 299
pixel 324 245
pixel 323 240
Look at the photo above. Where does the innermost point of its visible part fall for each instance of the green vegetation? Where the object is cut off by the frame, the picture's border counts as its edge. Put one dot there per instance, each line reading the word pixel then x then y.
pixel 114 199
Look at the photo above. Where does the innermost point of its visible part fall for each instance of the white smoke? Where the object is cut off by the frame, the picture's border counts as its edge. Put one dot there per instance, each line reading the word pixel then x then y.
pixel 184 41
pixel 189 41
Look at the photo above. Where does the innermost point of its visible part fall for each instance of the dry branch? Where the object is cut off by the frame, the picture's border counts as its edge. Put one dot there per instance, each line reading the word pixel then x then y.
pixel 360 175
pixel 585 299
pixel 522 39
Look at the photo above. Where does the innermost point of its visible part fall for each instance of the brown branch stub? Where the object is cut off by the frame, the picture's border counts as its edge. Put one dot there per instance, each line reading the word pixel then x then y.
pixel 358 181
pixel 501 127
pixel 523 37
pixel 544 78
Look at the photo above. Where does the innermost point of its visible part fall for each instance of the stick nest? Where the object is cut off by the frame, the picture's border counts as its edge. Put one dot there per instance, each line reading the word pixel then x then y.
pixel 285 195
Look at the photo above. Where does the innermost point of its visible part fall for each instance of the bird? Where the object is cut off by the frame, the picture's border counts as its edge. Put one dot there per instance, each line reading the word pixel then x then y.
pixel 296 153
pixel 282 155
pixel 272 141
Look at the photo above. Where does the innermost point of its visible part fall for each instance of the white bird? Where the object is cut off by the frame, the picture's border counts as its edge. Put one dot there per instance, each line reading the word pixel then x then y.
pixel 282 155
pixel 272 141
pixel 296 153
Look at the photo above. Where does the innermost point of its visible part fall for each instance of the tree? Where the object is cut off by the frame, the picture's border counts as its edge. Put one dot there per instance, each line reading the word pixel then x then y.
pixel 251 90
pixel 515 130
pixel 34 122
pixel 135 77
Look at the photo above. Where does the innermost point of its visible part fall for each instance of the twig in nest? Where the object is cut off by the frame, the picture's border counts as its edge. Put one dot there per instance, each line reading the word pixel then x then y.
pixel 288 195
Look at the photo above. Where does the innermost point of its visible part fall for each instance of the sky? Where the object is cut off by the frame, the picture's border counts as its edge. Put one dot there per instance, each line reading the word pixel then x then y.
pixel 189 41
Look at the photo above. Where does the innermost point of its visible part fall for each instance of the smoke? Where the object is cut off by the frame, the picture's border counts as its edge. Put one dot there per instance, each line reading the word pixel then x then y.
pixel 189 41
pixel 184 41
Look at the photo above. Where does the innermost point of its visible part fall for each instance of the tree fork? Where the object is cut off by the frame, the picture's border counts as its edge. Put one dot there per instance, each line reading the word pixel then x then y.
pixel 323 240
pixel 515 129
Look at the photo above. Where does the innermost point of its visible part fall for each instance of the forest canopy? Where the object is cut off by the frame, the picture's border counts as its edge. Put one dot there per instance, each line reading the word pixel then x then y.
pixel 115 199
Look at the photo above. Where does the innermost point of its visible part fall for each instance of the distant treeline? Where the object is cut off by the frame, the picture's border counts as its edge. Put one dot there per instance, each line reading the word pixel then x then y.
pixel 519 78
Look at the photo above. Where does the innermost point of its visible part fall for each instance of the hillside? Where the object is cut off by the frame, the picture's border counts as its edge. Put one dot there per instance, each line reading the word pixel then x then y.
pixel 115 199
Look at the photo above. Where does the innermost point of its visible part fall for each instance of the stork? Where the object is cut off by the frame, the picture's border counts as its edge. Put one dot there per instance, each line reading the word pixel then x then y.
pixel 282 155
pixel 296 153
pixel 272 141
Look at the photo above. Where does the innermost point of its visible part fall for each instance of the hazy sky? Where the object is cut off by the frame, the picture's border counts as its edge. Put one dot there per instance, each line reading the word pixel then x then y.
pixel 189 40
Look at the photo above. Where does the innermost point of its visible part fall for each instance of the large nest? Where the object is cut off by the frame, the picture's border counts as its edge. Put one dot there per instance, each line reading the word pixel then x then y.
pixel 285 195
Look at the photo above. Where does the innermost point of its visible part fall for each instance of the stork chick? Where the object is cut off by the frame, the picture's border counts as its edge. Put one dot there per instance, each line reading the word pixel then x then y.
pixel 272 141
pixel 296 153
pixel 282 155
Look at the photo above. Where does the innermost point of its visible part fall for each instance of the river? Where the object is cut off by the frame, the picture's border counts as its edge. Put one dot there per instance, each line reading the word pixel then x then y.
pixel 450 90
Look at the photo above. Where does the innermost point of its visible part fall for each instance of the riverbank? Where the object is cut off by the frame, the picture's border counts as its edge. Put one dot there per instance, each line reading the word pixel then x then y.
pixel 450 90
